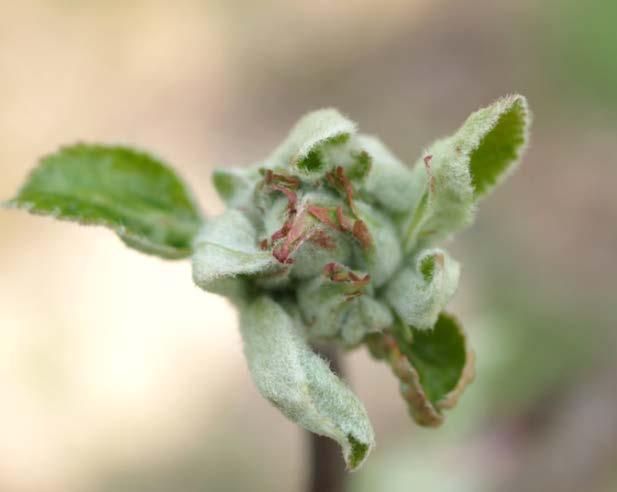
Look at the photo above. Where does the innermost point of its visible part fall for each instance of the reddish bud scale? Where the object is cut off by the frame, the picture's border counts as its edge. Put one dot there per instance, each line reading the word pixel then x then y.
pixel 341 274
pixel 344 222
pixel 322 214
pixel 278 178
pixel 336 272
pixel 340 172
pixel 362 234
pixel 281 253
pixel 329 268
pixel 297 230
pixel 283 231
pixel 353 276
pixel 267 174
pixel 361 282
pixel 290 231
pixel 339 180
pixel 321 239
pixel 292 198
pixel 431 179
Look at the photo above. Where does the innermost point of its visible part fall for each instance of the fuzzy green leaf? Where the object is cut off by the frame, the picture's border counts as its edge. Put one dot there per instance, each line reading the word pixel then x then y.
pixel 384 255
pixel 389 181
pixel 434 366
pixel 495 138
pixel 341 308
pixel 418 293
pixel 439 355
pixel 455 172
pixel 299 383
pixel 225 249
pixel 132 193
pixel 235 186
pixel 303 149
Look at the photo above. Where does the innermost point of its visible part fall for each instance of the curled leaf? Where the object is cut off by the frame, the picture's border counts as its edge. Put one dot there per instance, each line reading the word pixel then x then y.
pixel 494 138
pixel 339 304
pixel 389 181
pixel 137 196
pixel 225 250
pixel 418 293
pixel 378 244
pixel 457 171
pixel 235 186
pixel 304 147
pixel 299 383
pixel 434 366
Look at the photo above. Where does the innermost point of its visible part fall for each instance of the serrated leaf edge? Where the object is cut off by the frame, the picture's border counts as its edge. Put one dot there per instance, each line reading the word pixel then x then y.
pixel 131 240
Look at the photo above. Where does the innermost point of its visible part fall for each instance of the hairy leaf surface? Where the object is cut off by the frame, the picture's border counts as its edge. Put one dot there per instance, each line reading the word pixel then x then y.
pixel 434 366
pixel 300 383
pixel 389 181
pixel 455 172
pixel 226 250
pixel 419 292
pixel 132 193
pixel 303 149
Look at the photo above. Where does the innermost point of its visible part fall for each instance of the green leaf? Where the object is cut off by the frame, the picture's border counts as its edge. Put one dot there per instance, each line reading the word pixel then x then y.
pixel 357 165
pixel 389 181
pixel 445 201
pixel 304 147
pixel 132 193
pixel 384 255
pixel 235 186
pixel 418 293
pixel 299 383
pixel 434 366
pixel 495 138
pixel 226 248
pixel 370 316
pixel 338 306
pixel 455 172
pixel 439 356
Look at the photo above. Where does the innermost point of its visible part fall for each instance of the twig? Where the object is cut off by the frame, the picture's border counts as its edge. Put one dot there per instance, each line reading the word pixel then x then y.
pixel 327 472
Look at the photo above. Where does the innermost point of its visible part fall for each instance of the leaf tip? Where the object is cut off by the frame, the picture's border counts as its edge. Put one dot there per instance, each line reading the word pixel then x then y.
pixel 357 453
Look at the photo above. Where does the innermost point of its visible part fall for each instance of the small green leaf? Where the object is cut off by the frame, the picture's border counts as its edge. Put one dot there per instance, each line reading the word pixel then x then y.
pixel 303 149
pixel 359 165
pixel 444 197
pixel 299 383
pixel 384 254
pixel 370 317
pixel 418 293
pixel 132 193
pixel 226 248
pixel 439 355
pixel 235 186
pixel 495 138
pixel 338 306
pixel 455 172
pixel 389 181
pixel 434 366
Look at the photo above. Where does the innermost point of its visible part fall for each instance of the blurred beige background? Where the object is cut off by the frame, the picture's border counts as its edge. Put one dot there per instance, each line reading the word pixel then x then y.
pixel 117 374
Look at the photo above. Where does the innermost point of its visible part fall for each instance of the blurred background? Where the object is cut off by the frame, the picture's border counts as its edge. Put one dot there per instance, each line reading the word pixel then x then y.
pixel 117 374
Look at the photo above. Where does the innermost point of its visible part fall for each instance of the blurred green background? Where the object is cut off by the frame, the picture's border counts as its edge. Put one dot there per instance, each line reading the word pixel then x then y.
pixel 117 374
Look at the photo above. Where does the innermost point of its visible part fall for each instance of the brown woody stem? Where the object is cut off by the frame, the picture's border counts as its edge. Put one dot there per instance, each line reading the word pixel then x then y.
pixel 327 472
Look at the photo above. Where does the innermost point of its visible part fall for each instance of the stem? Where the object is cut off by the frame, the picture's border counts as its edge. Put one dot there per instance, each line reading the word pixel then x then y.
pixel 327 465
